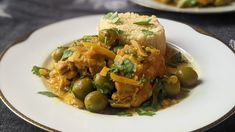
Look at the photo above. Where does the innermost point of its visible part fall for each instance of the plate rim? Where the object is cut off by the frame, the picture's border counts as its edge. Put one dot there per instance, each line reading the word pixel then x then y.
pixel 180 9
pixel 46 128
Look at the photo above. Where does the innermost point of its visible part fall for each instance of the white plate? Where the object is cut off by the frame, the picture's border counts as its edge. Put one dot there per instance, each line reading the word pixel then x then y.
pixel 157 5
pixel 207 103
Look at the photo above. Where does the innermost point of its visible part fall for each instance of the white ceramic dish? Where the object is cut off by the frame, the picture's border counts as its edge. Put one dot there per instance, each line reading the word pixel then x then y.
pixel 159 6
pixel 209 103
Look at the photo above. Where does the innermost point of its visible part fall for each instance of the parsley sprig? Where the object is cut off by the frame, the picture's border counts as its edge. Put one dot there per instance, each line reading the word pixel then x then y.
pixel 143 22
pixel 35 70
pixel 67 53
pixel 175 60
pixel 113 16
pixel 88 38
pixel 153 104
pixel 126 67
pixel 40 71
pixel 47 93
pixel 147 32
pixel 118 31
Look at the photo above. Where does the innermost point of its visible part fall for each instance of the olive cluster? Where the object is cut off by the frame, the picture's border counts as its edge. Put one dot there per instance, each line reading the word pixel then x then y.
pixel 86 89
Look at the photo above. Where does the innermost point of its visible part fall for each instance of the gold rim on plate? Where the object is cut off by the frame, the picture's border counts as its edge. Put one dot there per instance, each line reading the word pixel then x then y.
pixel 46 128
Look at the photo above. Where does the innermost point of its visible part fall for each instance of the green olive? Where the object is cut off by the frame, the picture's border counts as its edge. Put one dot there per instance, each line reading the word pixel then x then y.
pixel 172 86
pixel 108 36
pixel 96 101
pixel 58 53
pixel 82 87
pixel 103 84
pixel 187 76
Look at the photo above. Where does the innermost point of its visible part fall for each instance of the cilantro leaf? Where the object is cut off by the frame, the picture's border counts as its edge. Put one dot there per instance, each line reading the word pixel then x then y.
pixel 143 22
pixel 186 3
pixel 39 71
pixel 158 93
pixel 118 31
pixel 47 93
pixel 126 67
pixel 115 19
pixel 159 90
pixel 112 16
pixel 35 70
pixel 158 87
pixel 147 32
pixel 140 111
pixel 62 47
pixel 103 84
pixel 67 53
pixel 149 107
pixel 175 60
pixel 105 88
pixel 88 38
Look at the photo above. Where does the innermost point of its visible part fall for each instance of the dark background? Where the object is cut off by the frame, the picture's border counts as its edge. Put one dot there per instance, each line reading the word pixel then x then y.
pixel 20 17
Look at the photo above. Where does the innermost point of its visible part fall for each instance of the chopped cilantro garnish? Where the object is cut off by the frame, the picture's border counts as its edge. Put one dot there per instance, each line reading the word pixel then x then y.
pixel 88 38
pixel 186 3
pixel 67 53
pixel 153 104
pixel 118 31
pixel 62 47
pixel 126 67
pixel 147 32
pixel 115 20
pixel 39 71
pixel 143 22
pixel 175 60
pixel 47 93
pixel 112 16
pixel 35 70
pixel 140 111
pixel 159 92
pixel 105 88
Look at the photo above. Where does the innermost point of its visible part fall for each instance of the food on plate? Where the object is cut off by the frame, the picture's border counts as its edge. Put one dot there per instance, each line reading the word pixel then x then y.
pixel 187 76
pixel 195 3
pixel 127 68
pixel 146 30
pixel 96 101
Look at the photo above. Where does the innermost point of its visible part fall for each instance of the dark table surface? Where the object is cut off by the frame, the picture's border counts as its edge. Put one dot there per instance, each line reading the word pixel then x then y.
pixel 19 17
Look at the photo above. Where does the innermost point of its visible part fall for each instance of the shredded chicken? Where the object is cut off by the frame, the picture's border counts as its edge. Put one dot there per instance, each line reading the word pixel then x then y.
pixel 87 58
pixel 151 66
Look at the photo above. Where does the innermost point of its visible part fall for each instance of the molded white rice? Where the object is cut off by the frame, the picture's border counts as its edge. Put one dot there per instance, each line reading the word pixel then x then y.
pixel 134 32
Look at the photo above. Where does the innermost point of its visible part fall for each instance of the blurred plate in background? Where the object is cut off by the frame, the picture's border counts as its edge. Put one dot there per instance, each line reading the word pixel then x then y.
pixel 208 104
pixel 159 6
